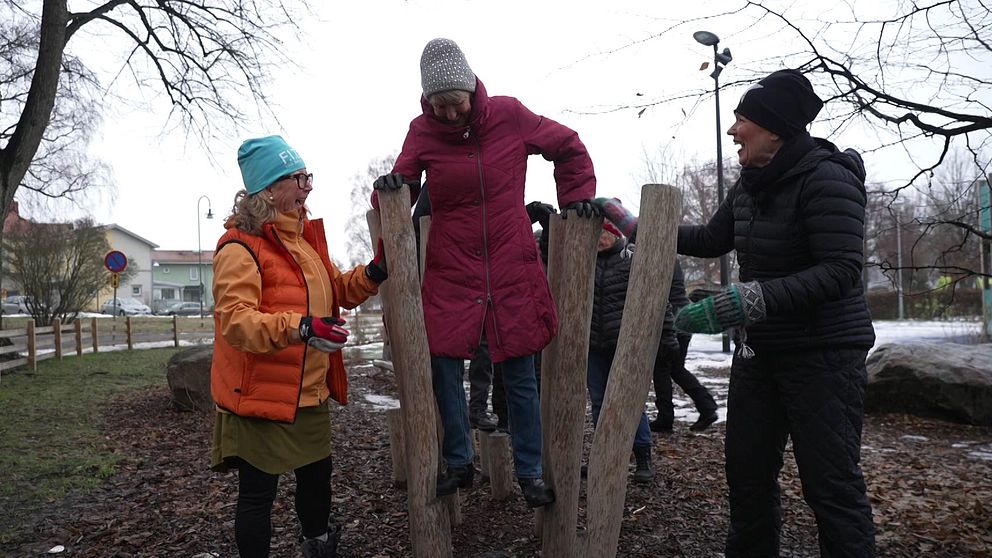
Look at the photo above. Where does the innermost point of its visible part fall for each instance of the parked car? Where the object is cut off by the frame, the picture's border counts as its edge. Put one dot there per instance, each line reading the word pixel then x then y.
pixel 185 309
pixel 16 304
pixel 125 307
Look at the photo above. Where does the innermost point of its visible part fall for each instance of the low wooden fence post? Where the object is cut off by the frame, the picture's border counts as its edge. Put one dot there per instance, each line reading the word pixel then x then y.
pixel 32 348
pixel 78 327
pixel 57 336
pixel 94 335
pixel 130 339
pixel 175 330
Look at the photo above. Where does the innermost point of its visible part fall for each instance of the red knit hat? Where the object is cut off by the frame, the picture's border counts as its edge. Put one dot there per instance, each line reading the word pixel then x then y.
pixel 611 228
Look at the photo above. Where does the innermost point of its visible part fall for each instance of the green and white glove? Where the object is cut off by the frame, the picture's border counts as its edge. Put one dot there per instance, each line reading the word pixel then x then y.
pixel 739 305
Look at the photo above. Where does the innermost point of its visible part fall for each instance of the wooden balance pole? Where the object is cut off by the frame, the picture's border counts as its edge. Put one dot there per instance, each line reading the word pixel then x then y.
pixel 430 531
pixel 630 375
pixel 571 274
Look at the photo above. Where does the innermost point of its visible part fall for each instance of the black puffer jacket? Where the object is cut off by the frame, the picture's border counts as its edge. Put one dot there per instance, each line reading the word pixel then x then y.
pixel 610 294
pixel 802 238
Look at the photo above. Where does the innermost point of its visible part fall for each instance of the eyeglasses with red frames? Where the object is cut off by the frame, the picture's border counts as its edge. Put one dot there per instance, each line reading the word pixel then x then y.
pixel 303 180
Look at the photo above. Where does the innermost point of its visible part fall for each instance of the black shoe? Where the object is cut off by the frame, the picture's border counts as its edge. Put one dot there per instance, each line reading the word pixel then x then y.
pixel 482 421
pixel 658 426
pixel 316 548
pixel 536 493
pixel 455 478
pixel 704 421
pixel 644 473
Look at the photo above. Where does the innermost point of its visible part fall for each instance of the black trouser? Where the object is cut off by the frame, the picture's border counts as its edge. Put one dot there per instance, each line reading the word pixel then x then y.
pixel 816 397
pixel 257 492
pixel 669 366
pixel 480 377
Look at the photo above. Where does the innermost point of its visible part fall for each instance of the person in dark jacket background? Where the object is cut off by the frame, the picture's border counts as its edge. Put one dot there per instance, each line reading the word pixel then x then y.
pixel 801 320
pixel 669 366
pixel 482 275
pixel 609 297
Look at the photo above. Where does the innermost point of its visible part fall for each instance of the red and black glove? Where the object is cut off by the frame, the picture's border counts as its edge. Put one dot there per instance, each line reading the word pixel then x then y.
pixel 324 334
pixel 376 269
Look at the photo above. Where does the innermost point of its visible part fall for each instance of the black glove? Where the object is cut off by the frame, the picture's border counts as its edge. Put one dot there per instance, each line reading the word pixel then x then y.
pixel 583 208
pixel 540 212
pixel 376 269
pixel 393 181
pixel 324 334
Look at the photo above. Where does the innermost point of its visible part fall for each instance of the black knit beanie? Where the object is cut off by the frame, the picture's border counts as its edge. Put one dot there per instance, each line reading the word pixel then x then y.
pixel 782 103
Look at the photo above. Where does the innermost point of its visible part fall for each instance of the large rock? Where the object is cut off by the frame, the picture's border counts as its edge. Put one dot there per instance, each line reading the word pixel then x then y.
pixel 188 373
pixel 945 380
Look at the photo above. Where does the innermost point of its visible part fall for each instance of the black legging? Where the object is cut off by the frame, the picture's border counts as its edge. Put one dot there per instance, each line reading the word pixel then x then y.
pixel 257 492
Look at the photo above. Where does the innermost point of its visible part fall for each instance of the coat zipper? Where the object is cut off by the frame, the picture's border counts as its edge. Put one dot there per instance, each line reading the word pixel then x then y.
pixel 490 305
pixel 306 346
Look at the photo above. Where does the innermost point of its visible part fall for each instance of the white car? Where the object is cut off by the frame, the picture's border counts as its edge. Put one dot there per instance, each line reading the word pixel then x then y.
pixel 125 307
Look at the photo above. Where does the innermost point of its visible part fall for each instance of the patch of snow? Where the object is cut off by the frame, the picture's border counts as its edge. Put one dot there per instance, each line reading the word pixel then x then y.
pixel 914 438
pixel 382 402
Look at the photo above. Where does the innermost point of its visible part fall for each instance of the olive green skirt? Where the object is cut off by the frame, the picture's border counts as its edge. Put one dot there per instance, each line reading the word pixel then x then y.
pixel 272 447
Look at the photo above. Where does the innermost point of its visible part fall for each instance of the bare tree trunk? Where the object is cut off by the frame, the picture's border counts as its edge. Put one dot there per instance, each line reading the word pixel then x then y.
pixel 630 375
pixel 430 531
pixel 16 157
pixel 571 273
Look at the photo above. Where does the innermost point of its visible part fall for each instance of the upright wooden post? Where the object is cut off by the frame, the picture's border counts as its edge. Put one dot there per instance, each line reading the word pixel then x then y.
pixel 94 335
pixel 175 330
pixel 130 339
pixel 32 347
pixel 500 466
pixel 630 375
pixel 78 327
pixel 430 530
pixel 57 336
pixel 571 275
pixel 397 445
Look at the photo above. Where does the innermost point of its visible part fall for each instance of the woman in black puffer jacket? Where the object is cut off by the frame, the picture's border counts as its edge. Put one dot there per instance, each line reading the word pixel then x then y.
pixel 796 219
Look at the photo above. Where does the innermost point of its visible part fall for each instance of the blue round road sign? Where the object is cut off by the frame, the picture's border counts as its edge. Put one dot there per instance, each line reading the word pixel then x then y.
pixel 115 261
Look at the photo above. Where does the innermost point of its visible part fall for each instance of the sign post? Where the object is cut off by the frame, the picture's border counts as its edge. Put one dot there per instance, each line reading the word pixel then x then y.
pixel 115 261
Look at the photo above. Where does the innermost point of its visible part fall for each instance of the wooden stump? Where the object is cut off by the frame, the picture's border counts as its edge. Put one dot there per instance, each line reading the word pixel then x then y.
pixel 500 466
pixel 630 375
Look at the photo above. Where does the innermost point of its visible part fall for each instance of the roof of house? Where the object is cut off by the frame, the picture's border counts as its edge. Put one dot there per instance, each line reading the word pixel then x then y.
pixel 182 257
pixel 113 226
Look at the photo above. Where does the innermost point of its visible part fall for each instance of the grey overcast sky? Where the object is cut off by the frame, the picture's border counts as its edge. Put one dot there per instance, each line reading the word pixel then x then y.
pixel 356 86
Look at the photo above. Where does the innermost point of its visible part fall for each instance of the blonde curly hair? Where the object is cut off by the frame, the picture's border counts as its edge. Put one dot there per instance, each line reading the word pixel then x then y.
pixel 250 213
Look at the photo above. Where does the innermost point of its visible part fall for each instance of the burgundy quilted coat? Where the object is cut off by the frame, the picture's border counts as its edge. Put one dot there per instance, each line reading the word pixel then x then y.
pixel 483 269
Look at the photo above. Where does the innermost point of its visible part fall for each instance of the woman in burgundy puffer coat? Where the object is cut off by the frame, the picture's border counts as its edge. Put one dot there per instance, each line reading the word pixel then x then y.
pixel 483 276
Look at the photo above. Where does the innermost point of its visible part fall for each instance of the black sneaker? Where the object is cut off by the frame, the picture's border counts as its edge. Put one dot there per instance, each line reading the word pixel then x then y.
pixel 316 548
pixel 483 421
pixel 455 478
pixel 704 421
pixel 658 426
pixel 536 493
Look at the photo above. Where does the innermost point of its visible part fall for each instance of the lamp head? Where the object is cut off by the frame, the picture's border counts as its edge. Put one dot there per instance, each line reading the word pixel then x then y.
pixel 210 214
pixel 723 57
pixel 706 38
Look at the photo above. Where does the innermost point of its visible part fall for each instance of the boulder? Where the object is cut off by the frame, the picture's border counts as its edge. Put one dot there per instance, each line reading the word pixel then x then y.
pixel 946 380
pixel 188 373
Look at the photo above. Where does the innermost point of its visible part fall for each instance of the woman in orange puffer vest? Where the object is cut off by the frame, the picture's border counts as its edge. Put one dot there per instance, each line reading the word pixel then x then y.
pixel 277 345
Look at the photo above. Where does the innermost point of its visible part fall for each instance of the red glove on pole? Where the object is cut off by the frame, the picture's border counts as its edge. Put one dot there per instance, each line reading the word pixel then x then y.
pixel 376 269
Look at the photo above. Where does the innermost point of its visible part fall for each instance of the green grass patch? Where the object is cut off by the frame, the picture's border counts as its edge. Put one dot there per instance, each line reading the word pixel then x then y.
pixel 50 438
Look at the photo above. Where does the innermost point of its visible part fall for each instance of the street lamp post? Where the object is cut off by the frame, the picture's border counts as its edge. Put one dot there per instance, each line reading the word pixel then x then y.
pixel 720 59
pixel 199 250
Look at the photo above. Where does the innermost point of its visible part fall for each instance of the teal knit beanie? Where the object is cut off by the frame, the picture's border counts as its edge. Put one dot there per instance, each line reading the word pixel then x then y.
pixel 266 160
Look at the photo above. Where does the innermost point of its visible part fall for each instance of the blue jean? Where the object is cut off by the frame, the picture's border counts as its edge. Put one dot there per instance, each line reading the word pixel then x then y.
pixel 598 373
pixel 523 402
